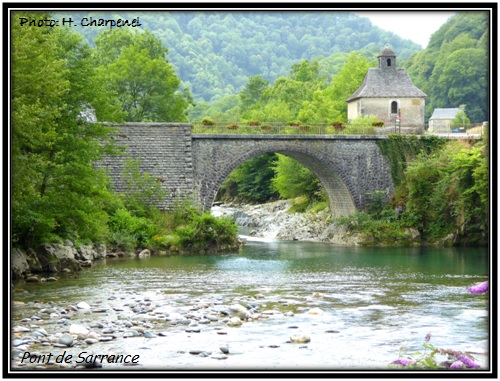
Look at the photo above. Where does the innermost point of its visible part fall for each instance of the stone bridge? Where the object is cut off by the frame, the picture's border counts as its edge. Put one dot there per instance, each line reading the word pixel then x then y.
pixel 193 166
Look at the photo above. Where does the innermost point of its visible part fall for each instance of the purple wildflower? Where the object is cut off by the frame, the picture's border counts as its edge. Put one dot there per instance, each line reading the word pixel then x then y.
pixel 403 362
pixel 457 365
pixel 480 288
pixel 468 362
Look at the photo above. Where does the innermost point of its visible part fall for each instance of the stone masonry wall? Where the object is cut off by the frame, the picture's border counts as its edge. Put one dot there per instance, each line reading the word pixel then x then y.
pixel 347 166
pixel 194 166
pixel 412 111
pixel 165 153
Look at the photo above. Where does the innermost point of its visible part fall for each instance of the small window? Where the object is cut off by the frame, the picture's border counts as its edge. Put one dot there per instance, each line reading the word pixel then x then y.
pixel 388 62
pixel 394 107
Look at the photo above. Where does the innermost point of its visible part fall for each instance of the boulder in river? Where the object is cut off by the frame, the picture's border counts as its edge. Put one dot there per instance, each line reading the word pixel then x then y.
pixel 300 338
pixel 66 339
pixel 239 311
pixel 79 330
pixel 234 322
pixel 83 306
pixel 315 311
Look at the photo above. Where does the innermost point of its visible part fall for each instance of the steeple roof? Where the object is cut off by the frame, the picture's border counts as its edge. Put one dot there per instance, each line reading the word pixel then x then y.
pixel 387 52
pixel 387 82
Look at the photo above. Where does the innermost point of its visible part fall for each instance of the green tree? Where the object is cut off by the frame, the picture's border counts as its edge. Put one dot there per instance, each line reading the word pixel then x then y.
pixel 57 193
pixel 251 181
pixel 292 179
pixel 460 119
pixel 137 71
pixel 330 104
pixel 252 91
pixel 453 70
pixel 465 80
pixel 446 193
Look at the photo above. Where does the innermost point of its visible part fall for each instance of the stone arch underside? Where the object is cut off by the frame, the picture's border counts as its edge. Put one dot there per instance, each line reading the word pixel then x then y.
pixel 341 200
pixel 341 167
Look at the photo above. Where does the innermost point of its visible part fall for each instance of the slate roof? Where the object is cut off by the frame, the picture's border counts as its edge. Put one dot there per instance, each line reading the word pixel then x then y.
pixel 444 113
pixel 387 52
pixel 387 83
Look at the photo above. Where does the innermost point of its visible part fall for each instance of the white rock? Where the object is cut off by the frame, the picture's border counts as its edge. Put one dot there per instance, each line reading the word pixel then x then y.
pixel 240 311
pixel 315 311
pixel 79 330
pixel 234 322
pixel 83 306
pixel 300 338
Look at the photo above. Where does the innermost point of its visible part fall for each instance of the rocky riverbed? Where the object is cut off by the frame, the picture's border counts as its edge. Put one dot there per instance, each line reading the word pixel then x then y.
pixel 122 330
pixel 274 221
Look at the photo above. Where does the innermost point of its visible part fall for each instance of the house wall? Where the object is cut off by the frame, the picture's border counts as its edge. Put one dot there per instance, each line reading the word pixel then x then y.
pixel 412 110
pixel 439 124
pixel 353 110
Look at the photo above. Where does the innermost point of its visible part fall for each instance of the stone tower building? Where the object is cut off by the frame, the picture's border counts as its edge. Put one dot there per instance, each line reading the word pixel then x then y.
pixel 388 93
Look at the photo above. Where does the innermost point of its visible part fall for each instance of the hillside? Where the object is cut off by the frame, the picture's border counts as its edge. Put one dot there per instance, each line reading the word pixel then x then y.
pixel 453 69
pixel 215 53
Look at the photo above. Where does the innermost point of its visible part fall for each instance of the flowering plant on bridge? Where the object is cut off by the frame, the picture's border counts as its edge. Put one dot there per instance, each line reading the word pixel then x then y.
pixel 208 121
pixel 232 126
pixel 338 124
pixel 253 122
pixel 378 123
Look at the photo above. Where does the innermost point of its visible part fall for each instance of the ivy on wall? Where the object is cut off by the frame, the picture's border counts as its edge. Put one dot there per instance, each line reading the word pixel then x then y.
pixel 401 149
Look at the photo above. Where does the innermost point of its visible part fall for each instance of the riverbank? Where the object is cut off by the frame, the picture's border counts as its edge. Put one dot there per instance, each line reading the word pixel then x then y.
pixel 275 221
pixel 49 260
pixel 268 221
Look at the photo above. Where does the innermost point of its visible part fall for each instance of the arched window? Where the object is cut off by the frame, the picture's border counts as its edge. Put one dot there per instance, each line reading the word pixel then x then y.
pixel 394 107
pixel 388 62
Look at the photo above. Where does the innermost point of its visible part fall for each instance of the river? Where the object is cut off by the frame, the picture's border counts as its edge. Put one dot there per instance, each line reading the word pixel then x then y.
pixel 361 308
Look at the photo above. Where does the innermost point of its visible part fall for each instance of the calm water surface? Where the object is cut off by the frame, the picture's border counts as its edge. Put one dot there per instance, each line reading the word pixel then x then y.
pixel 376 303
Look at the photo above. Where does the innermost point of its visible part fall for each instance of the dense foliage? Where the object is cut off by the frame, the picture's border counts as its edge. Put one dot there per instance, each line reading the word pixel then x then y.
pixel 453 69
pixel 133 66
pixel 401 149
pixel 447 192
pixel 443 192
pixel 57 191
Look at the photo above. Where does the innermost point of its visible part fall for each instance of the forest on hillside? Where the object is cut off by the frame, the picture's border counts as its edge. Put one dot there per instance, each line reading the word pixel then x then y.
pixel 454 68
pixel 215 53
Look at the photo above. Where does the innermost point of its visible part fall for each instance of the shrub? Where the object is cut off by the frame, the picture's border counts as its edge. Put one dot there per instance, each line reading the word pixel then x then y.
pixel 232 126
pixel 206 232
pixel 129 232
pixel 208 121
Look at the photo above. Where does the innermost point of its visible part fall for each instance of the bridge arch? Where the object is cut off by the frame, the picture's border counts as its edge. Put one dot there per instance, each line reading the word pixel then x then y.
pixel 338 166
pixel 341 201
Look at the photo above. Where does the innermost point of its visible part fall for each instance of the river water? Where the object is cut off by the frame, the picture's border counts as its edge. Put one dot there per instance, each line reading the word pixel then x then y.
pixel 372 306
